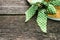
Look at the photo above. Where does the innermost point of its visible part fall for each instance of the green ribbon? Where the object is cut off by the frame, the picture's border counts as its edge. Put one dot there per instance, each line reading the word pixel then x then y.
pixel 43 9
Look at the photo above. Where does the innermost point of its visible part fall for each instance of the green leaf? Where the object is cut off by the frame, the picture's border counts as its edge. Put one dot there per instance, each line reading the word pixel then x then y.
pixel 30 12
pixel 55 2
pixel 45 3
pixel 42 20
pixel 51 9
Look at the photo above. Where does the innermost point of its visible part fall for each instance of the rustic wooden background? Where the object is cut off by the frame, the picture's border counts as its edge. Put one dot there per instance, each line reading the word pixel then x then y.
pixel 13 27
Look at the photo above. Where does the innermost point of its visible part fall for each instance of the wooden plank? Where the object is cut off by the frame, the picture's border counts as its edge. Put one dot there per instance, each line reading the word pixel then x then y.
pixel 13 10
pixel 15 26
pixel 12 27
pixel 13 3
pixel 13 6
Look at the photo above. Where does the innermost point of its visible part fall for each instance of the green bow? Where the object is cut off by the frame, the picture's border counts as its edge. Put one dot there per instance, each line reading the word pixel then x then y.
pixel 43 9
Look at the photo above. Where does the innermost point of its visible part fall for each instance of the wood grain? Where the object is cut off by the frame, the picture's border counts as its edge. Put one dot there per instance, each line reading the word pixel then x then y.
pixel 15 28
pixel 13 6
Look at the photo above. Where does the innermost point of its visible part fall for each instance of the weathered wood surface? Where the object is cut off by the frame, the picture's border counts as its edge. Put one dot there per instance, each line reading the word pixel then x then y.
pixel 13 6
pixel 14 28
